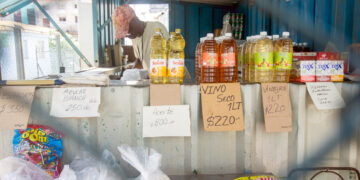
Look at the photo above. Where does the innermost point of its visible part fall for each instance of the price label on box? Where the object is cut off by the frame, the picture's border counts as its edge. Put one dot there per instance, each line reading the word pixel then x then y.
pixel 222 107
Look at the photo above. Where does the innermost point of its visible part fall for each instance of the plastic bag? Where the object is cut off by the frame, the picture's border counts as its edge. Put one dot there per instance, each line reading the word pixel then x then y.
pixel 86 167
pixel 41 145
pixel 146 161
pixel 12 168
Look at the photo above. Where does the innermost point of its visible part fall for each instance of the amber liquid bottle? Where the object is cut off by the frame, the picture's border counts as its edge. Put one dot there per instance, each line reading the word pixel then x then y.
pixel 228 63
pixel 210 60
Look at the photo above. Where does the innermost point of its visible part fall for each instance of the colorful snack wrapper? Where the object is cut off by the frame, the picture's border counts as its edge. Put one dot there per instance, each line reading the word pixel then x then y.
pixel 40 145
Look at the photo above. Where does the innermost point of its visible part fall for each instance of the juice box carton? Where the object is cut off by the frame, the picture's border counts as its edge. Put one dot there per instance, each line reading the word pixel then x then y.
pixel 337 69
pixel 303 67
pixel 323 65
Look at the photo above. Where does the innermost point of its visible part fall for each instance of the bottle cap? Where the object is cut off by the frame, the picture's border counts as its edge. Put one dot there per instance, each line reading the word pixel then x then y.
pixel 248 38
pixel 178 30
pixel 276 36
pixel 263 33
pixel 285 34
pixel 228 34
pixel 269 37
pixel 305 43
pixel 157 30
pixel 210 35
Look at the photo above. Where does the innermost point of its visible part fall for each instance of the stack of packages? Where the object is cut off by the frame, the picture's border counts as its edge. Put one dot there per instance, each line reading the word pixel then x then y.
pixel 319 67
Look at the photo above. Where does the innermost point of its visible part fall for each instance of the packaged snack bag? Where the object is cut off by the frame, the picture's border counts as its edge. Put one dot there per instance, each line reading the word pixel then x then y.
pixel 40 145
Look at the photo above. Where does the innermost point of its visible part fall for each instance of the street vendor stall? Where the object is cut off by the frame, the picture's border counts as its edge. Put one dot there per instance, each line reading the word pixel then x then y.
pixel 252 150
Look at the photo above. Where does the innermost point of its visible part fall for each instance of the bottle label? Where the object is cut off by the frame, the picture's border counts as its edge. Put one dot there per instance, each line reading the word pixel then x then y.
pixel 176 67
pixel 210 59
pixel 157 67
pixel 228 60
pixel 263 60
pixel 283 60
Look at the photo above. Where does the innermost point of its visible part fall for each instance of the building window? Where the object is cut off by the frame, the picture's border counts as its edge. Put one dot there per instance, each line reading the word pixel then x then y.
pixel 46 22
pixel 62 19
pixel 17 16
pixel 31 16
pixel 76 19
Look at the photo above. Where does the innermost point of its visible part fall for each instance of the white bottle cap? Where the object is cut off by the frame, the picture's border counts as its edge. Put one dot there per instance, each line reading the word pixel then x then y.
pixel 305 43
pixel 269 37
pixel 248 38
pixel 228 34
pixel 285 34
pixel 210 35
pixel 276 36
pixel 263 33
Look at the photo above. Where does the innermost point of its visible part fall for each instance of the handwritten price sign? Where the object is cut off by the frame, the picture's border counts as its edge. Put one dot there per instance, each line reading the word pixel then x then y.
pixel 160 121
pixel 75 102
pixel 222 107
pixel 277 107
pixel 325 95
pixel 15 106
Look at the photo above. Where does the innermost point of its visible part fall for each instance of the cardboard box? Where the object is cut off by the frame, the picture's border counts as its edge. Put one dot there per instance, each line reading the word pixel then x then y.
pixel 303 67
pixel 323 66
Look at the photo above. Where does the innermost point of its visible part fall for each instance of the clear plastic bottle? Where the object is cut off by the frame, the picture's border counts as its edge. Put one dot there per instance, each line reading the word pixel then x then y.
pixel 210 60
pixel 283 53
pixel 172 34
pixel 158 61
pixel 198 60
pixel 245 55
pixel 251 63
pixel 176 60
pixel 228 63
pixel 263 59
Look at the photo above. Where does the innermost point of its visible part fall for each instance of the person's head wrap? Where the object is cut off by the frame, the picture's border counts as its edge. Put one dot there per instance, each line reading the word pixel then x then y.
pixel 122 17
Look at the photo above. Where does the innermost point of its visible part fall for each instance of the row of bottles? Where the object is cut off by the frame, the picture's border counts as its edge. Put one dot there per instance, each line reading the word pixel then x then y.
pixel 301 47
pixel 167 58
pixel 266 60
pixel 215 59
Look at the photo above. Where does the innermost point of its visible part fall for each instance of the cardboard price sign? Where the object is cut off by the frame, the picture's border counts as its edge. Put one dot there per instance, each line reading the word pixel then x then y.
pixel 222 107
pixel 15 106
pixel 277 107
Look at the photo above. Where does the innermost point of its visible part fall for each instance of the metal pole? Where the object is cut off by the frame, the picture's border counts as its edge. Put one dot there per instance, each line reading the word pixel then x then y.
pixel 62 33
pixel 58 50
pixel 19 53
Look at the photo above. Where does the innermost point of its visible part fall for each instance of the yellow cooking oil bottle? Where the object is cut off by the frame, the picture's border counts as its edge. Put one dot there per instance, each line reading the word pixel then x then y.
pixel 172 34
pixel 283 52
pixel 176 61
pixel 251 61
pixel 158 61
pixel 263 58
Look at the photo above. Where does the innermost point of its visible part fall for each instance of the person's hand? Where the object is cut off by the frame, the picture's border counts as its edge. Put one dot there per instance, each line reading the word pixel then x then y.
pixel 138 64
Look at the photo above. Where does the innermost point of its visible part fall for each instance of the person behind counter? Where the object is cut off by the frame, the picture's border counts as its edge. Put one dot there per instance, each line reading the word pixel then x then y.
pixel 127 24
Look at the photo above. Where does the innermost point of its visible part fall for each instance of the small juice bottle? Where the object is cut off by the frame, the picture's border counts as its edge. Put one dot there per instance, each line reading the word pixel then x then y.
pixel 210 60
pixel 176 61
pixel 263 59
pixel 228 62
pixel 283 52
pixel 158 61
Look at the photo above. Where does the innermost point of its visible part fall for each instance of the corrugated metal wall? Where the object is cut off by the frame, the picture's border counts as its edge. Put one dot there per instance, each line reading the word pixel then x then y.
pixel 335 20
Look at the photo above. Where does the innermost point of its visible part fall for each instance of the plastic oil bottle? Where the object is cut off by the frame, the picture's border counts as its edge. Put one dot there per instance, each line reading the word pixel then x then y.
pixel 263 59
pixel 251 71
pixel 283 52
pixel 172 34
pixel 176 61
pixel 244 59
pixel 228 62
pixel 210 60
pixel 158 58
